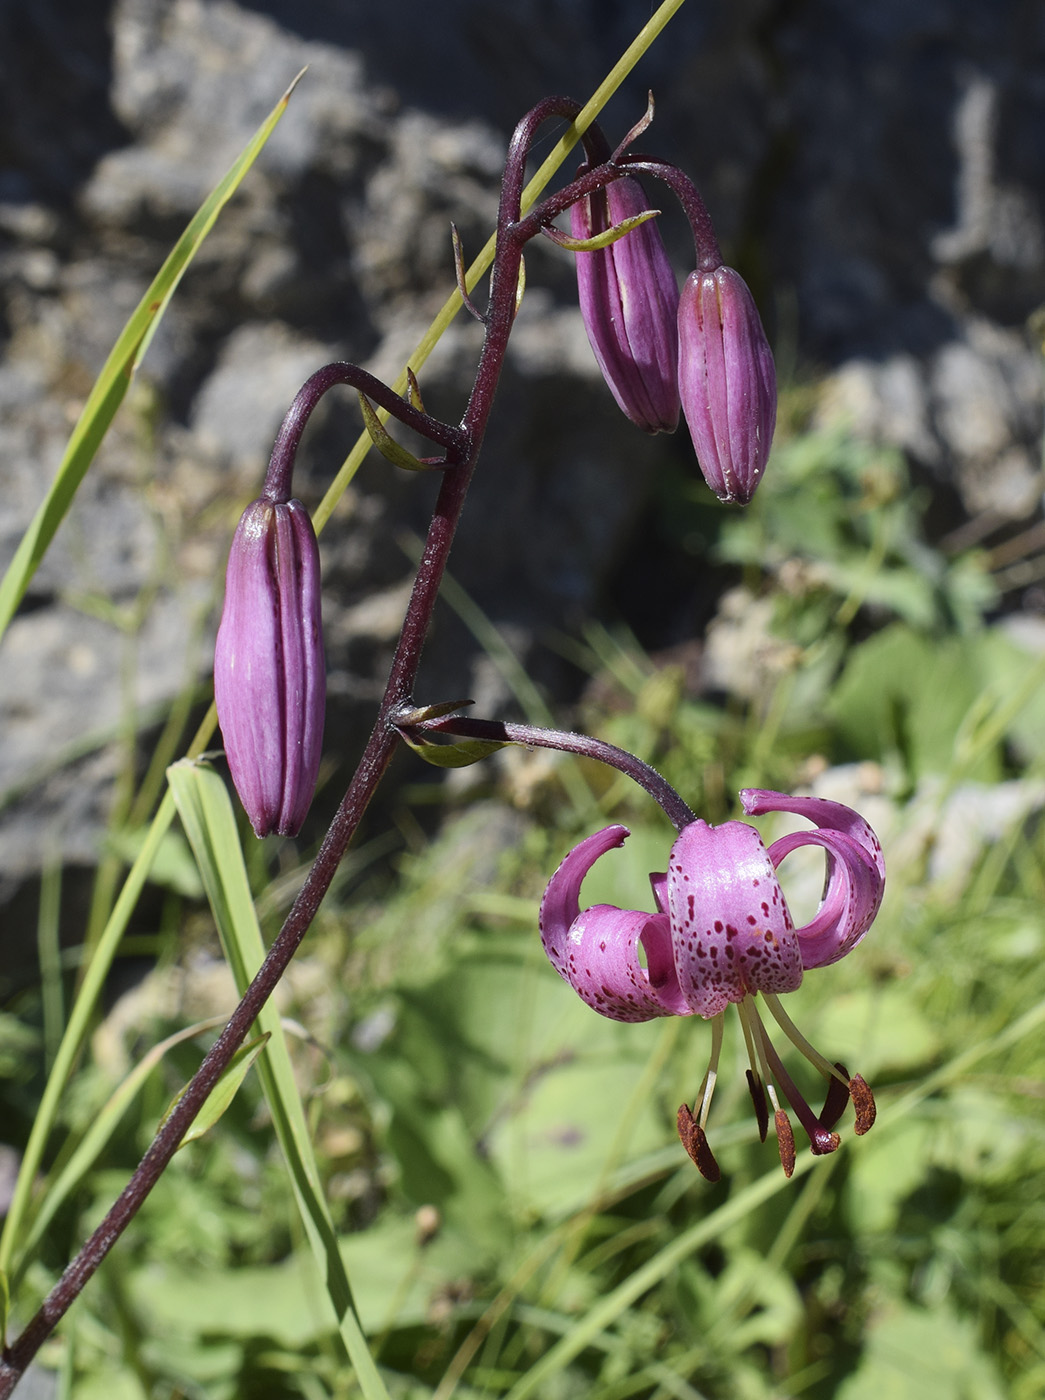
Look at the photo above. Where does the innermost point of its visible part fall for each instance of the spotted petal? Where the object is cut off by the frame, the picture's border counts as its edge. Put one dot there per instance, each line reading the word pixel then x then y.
pixel 596 950
pixel 835 816
pixel 733 932
pixel 855 872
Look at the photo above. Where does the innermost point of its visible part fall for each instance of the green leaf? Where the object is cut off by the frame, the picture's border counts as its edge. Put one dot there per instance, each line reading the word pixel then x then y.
pixel 385 443
pixel 920 1354
pixel 458 754
pixel 210 824
pixel 226 1089
pixel 115 379
pixel 76 1032
pixel 172 865
pixel 599 240
pixel 5 1307
pixel 102 1127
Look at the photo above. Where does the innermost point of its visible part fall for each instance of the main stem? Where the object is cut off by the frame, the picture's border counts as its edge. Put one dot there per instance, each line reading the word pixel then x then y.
pixel 463 446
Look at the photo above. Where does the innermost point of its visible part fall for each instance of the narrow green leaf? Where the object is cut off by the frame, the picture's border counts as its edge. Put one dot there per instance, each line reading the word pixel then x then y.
pixel 102 1127
pixel 385 443
pixel 76 1032
pixel 5 1307
pixel 210 824
pixel 599 240
pixel 458 754
pixel 115 379
pixel 226 1089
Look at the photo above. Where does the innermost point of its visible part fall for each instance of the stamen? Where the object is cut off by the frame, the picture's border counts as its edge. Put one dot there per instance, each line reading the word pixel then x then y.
pixel 798 1040
pixel 785 1141
pixel 754 1036
pixel 863 1103
pixel 754 1079
pixel 707 1089
pixel 758 1098
pixel 837 1098
pixel 695 1141
pixel 821 1140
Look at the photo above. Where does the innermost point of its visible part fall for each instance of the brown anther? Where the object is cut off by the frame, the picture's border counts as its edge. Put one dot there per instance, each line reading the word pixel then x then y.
pixel 785 1142
pixel 758 1098
pixel 695 1141
pixel 836 1100
pixel 863 1103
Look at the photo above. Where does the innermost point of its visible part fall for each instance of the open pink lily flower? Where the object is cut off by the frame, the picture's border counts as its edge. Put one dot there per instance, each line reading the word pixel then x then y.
pixel 722 933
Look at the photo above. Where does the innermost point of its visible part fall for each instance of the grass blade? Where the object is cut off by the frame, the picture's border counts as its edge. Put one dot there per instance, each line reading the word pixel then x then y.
pixel 104 1125
pixel 115 379
pixel 76 1030
pixel 210 825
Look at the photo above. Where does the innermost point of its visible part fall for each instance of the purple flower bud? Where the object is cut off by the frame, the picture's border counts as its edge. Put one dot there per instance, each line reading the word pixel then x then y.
pixel 269 676
pixel 629 299
pixel 727 381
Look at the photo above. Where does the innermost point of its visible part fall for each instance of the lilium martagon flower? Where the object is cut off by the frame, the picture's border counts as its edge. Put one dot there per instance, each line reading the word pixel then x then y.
pixel 722 934
pixel 269 670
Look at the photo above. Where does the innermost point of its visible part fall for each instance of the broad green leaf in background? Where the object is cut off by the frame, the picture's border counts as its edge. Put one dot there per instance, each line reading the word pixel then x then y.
pixel 118 372
pixel 920 1354
pixel 944 707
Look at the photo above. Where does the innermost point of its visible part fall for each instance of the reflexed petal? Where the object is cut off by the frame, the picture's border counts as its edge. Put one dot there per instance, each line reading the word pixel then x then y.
pixel 659 884
pixel 732 930
pixel 597 951
pixel 561 902
pixel 855 871
pixel 599 959
pixel 852 894
pixel 835 816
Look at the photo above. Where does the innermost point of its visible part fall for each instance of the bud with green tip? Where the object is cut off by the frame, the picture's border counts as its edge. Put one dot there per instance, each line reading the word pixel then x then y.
pixel 269 674
pixel 727 381
pixel 629 297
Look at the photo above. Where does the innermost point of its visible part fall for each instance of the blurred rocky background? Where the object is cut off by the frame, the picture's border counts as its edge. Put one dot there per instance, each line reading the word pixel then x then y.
pixel 876 171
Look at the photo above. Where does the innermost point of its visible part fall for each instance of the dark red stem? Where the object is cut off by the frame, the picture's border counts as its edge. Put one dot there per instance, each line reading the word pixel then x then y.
pixel 277 485
pixel 685 191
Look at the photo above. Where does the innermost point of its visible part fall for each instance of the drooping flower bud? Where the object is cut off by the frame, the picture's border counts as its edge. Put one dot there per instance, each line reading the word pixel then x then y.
pixel 629 298
pixel 269 674
pixel 727 381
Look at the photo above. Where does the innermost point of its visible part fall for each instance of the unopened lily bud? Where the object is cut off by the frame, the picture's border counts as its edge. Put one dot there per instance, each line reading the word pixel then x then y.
pixel 727 381
pixel 629 298
pixel 269 674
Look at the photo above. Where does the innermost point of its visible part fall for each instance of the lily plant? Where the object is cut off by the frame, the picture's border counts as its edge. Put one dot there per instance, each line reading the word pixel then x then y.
pixel 721 932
